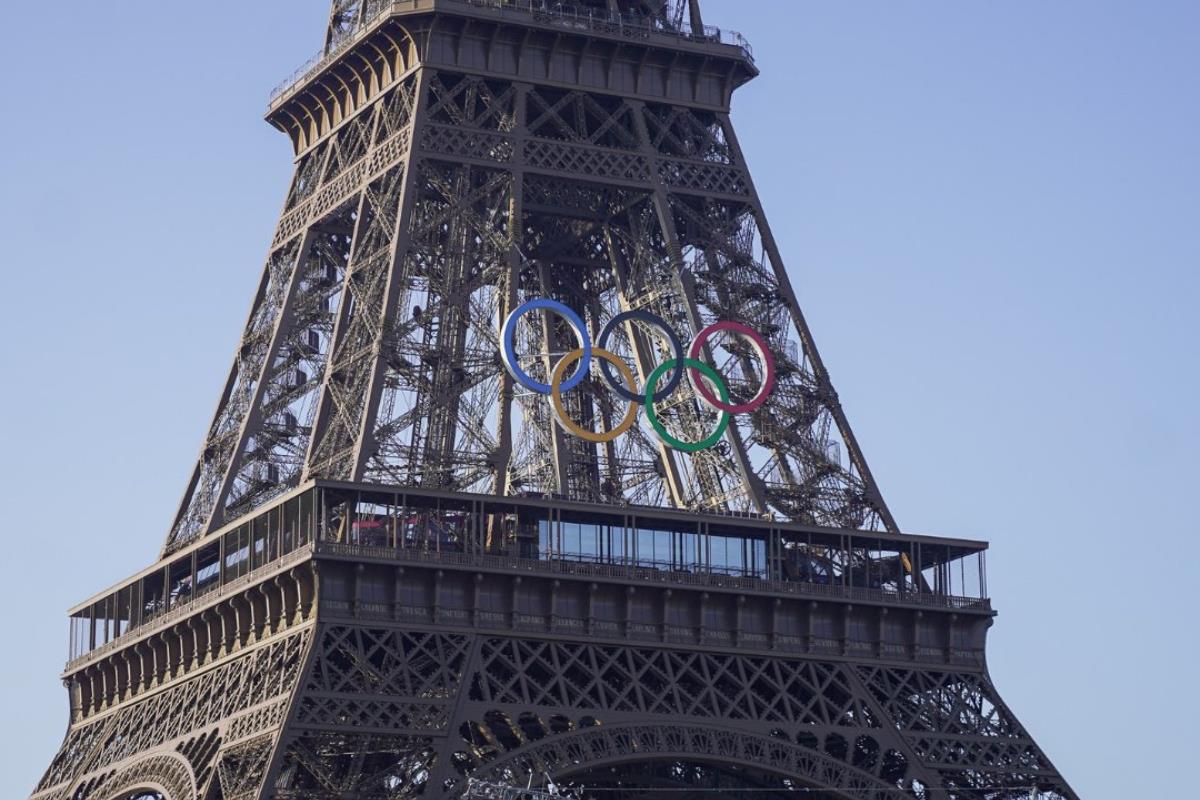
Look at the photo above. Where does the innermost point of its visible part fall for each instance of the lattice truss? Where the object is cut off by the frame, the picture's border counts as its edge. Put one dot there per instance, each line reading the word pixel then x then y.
pixel 796 447
pixel 958 724
pixel 691 256
pixel 372 348
pixel 803 457
pixel 208 736
pixel 327 248
pixel 386 713
pixel 372 711
pixel 855 729
pixel 441 381
pixel 394 713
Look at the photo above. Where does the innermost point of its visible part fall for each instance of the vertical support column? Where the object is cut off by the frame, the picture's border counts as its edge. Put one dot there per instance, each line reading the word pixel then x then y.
pixel 210 638
pixel 629 593
pixel 811 609
pixel 612 475
pixel 253 418
pixel 664 618
pixel 512 602
pixel 476 598
pixel 645 365
pixel 882 632
pixel 400 240
pixel 345 455
pixel 555 586
pixel 776 604
pixel 559 449
pixel 502 485
pixel 739 621
pixel 125 676
pixel 915 631
pixel 662 205
pixel 356 586
pixel 398 593
pixel 308 592
pixel 76 694
pixel 437 594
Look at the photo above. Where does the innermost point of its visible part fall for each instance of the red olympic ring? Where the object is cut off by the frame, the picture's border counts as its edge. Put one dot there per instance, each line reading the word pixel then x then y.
pixel 764 355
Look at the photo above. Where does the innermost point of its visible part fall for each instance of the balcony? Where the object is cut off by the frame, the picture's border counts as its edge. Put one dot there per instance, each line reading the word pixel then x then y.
pixel 542 12
pixel 538 535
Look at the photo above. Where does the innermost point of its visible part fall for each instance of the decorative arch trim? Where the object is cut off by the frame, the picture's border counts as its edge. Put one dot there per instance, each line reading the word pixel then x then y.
pixel 166 773
pixel 143 788
pixel 612 745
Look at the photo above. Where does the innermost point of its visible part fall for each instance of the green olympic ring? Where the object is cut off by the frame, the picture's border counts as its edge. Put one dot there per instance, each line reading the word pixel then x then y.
pixel 661 430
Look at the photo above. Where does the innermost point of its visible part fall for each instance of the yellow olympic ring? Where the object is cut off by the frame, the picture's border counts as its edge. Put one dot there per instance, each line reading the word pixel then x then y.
pixel 560 412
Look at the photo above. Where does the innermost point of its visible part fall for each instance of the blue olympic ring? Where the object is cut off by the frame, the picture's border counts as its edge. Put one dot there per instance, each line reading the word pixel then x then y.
pixel 672 337
pixel 509 352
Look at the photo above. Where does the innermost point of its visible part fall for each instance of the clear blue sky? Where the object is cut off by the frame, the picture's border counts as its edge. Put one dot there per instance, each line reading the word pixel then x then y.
pixel 991 212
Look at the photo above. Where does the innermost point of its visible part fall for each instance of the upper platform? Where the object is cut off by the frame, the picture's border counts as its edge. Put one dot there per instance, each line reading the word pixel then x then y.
pixel 539 535
pixel 534 40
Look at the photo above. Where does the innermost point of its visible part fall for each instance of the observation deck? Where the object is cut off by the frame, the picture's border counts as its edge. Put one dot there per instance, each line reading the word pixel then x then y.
pixel 557 568
pixel 535 40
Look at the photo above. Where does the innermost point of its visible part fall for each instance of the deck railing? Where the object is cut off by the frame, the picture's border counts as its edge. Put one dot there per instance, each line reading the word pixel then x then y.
pixel 163 616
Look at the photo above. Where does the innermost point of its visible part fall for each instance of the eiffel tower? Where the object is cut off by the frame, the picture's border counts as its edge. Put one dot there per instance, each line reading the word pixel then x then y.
pixel 414 556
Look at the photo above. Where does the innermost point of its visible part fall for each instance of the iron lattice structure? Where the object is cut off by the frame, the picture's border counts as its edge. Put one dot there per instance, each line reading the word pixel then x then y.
pixel 392 573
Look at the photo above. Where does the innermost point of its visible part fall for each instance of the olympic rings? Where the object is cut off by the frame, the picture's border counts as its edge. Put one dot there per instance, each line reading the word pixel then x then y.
pixel 560 413
pixel 701 376
pixel 672 337
pixel 764 355
pixel 661 430
pixel 509 352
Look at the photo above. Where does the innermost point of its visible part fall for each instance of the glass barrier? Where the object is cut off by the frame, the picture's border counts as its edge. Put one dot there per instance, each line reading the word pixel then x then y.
pixel 410 522
pixel 255 544
pixel 631 541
